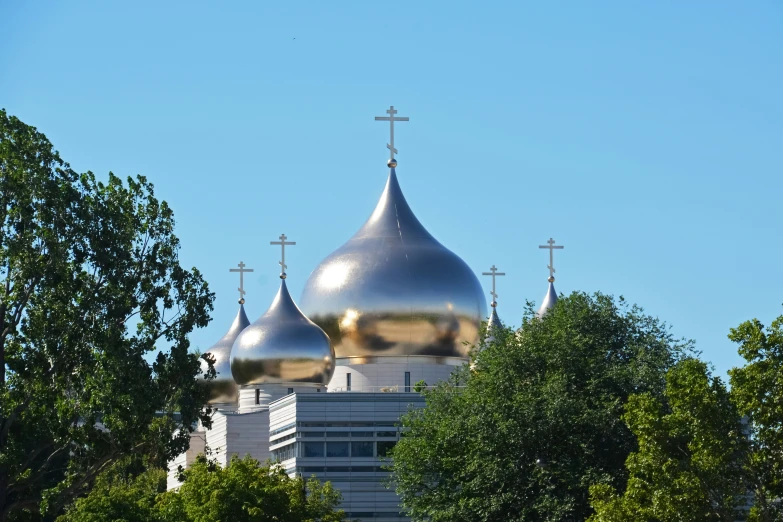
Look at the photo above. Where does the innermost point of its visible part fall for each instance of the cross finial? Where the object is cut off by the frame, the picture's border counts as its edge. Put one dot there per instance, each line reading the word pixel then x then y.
pixel 493 271
pixel 282 244
pixel 242 271
pixel 391 119
pixel 551 246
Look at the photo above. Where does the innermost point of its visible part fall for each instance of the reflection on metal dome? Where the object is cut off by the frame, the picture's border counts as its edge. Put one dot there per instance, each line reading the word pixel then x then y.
pixel 223 389
pixel 393 289
pixel 282 346
pixel 549 299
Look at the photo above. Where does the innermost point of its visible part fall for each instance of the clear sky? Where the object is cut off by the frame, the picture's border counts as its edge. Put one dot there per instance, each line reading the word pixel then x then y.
pixel 646 137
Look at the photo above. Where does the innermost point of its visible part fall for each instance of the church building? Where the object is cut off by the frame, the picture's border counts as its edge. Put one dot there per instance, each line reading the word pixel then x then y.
pixel 319 387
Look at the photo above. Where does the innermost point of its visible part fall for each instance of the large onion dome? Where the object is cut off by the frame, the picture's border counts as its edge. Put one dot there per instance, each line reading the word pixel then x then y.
pixel 282 346
pixel 393 289
pixel 222 389
pixel 549 299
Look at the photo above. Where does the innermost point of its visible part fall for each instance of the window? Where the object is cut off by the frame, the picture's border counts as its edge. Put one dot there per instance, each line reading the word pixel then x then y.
pixel 337 449
pixel 345 434
pixel 387 434
pixel 284 453
pixel 313 449
pixel 290 391
pixel 348 381
pixel 407 382
pixel 384 446
pixel 311 433
pixel 362 434
pixel 361 449
pixel 258 396
pixel 338 469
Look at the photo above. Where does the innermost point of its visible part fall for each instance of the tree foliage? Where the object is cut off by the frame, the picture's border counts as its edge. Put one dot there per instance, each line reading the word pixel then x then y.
pixel 90 283
pixel 691 456
pixel 757 389
pixel 243 491
pixel 539 420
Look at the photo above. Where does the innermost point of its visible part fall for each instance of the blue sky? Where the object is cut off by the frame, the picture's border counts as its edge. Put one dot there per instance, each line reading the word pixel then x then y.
pixel 647 137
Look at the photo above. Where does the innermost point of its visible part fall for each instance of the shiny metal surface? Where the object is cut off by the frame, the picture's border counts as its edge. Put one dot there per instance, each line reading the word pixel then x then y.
pixel 549 299
pixel 282 346
pixel 223 389
pixel 393 289
pixel 492 325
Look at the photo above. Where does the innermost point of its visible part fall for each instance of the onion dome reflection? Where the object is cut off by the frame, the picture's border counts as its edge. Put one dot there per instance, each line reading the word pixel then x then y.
pixel 282 346
pixel 223 390
pixel 393 289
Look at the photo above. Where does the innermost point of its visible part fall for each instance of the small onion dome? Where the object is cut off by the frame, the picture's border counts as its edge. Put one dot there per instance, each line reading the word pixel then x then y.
pixel 549 299
pixel 394 290
pixel 223 389
pixel 282 346
pixel 493 325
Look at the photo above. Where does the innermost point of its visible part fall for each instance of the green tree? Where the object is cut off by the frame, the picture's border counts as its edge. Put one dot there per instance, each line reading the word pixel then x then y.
pixel 539 420
pixel 90 283
pixel 757 389
pixel 245 491
pixel 121 494
pixel 691 458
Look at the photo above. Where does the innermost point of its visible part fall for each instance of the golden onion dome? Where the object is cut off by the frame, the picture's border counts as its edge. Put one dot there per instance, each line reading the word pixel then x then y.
pixel 282 346
pixel 223 389
pixel 393 289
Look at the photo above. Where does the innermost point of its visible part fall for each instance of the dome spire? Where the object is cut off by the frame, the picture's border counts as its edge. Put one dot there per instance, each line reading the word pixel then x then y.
pixel 391 119
pixel 551 296
pixel 242 271
pixel 494 320
pixel 493 271
pixel 223 390
pixel 282 244
pixel 283 345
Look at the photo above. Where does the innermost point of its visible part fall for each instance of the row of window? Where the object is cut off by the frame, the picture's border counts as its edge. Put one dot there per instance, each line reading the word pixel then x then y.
pixel 333 449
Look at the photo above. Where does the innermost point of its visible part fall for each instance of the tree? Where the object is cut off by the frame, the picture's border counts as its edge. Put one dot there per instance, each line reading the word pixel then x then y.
pixel 757 389
pixel 121 494
pixel 245 491
pixel 691 458
pixel 539 420
pixel 90 283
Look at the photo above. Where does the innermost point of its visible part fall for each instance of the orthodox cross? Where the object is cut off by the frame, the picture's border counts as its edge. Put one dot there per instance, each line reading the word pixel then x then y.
pixel 282 244
pixel 551 246
pixel 493 271
pixel 391 119
pixel 242 270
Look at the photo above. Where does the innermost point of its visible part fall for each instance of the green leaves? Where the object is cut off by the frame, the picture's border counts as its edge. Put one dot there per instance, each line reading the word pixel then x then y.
pixel 692 449
pixel 90 283
pixel 243 491
pixel 539 421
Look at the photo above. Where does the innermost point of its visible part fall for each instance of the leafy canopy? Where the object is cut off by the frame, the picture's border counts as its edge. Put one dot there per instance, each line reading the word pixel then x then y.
pixel 691 456
pixel 757 390
pixel 539 420
pixel 90 283
pixel 243 491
